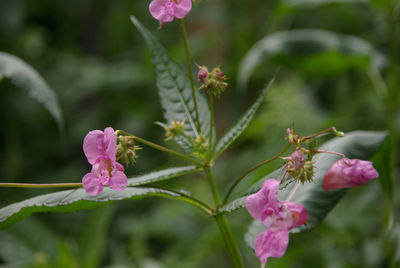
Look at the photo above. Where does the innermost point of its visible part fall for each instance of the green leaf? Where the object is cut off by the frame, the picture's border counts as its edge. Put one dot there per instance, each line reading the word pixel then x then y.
pixel 232 134
pixel 174 90
pixel 78 199
pixel 161 175
pixel 318 203
pixel 23 76
pixel 303 44
pixel 94 236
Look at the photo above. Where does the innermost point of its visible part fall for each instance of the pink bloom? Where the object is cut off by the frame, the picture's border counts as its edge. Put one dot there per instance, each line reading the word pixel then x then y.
pixel 165 10
pixel 271 243
pixel 277 217
pixel 100 149
pixel 349 173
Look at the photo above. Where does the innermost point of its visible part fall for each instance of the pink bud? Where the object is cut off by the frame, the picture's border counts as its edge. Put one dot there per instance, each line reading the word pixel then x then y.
pixel 349 173
pixel 202 75
pixel 298 159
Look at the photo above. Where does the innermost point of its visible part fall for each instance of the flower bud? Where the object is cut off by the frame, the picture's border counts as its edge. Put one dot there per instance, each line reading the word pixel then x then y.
pixel 291 137
pixel 298 159
pixel 213 82
pixel 202 74
pixel 172 130
pixel 200 145
pixel 349 173
pixel 126 150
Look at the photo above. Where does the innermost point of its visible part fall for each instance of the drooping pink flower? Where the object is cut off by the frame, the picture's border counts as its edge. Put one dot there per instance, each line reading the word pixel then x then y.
pixel 166 10
pixel 349 173
pixel 277 217
pixel 100 149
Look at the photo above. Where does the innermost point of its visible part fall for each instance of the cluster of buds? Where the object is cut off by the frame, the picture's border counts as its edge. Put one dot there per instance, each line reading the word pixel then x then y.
pixel 298 167
pixel 126 150
pixel 213 82
pixel 172 130
pixel 200 145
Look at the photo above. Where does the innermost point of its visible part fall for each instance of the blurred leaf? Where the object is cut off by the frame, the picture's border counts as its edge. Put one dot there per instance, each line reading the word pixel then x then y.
pixel 318 203
pixel 302 3
pixel 232 134
pixel 255 228
pixel 382 164
pixel 94 236
pixel 23 76
pixel 161 175
pixel 174 89
pixel 78 199
pixel 305 43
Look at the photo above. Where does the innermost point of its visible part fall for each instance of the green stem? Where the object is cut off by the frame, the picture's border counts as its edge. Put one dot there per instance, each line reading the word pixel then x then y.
pixel 223 225
pixel 40 185
pixel 238 180
pixel 210 145
pixel 159 147
pixel 189 64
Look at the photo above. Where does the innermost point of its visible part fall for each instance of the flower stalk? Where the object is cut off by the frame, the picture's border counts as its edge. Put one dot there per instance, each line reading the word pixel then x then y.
pixel 159 147
pixel 41 185
pixel 223 225
pixel 190 72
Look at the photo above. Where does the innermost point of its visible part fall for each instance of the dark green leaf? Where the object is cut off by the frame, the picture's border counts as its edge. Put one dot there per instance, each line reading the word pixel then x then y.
pixel 78 199
pixel 232 134
pixel 161 175
pixel 174 90
pixel 23 76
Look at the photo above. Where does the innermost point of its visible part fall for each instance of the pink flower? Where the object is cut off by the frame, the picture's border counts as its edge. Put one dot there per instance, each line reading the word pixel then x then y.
pixel 277 217
pixel 165 10
pixel 349 173
pixel 100 149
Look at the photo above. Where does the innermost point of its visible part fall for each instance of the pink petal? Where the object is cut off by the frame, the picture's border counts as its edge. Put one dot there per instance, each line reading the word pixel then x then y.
pixel 349 173
pixel 298 213
pixel 271 243
pixel 182 8
pixel 118 181
pixel 92 184
pixel 92 145
pixel 257 203
pixel 162 10
pixel 110 142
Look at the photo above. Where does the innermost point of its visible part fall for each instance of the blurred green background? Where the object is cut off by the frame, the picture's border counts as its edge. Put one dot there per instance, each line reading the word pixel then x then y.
pixel 98 65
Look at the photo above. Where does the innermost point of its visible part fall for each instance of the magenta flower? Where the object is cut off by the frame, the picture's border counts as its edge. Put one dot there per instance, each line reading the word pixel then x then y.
pixel 166 10
pixel 349 173
pixel 277 217
pixel 100 149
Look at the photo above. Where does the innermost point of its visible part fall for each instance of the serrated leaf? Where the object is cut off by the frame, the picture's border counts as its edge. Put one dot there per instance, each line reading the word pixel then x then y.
pixel 161 175
pixel 24 77
pixel 78 199
pixel 303 42
pixel 318 203
pixel 174 90
pixel 232 134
